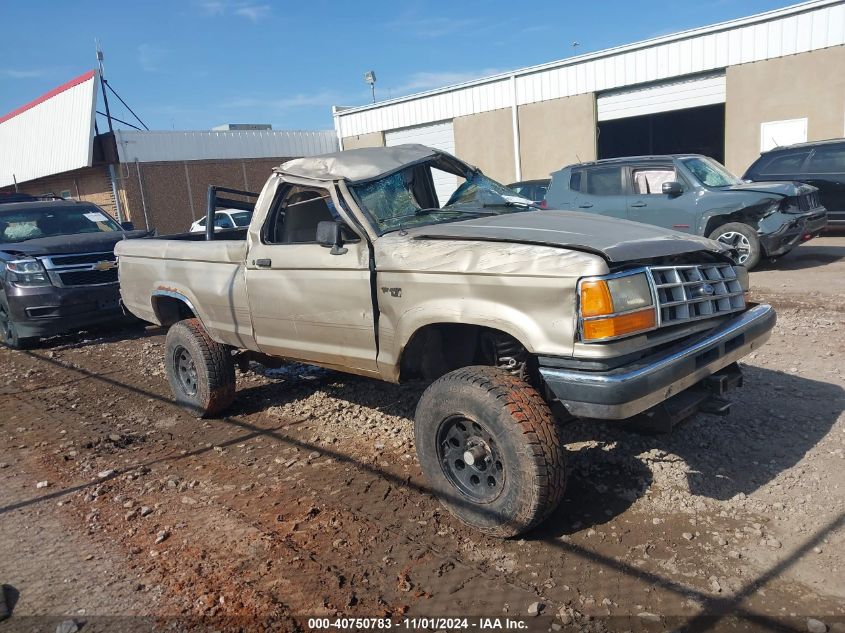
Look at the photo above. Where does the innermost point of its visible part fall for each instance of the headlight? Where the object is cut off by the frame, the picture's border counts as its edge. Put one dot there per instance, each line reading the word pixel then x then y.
pixel 616 305
pixel 27 272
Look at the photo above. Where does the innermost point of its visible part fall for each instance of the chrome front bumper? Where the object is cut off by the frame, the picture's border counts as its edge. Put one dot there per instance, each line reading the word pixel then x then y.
pixel 626 391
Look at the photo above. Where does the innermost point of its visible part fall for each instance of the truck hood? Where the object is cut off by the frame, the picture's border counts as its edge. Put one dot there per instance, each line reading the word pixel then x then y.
pixel 778 188
pixel 64 244
pixel 615 240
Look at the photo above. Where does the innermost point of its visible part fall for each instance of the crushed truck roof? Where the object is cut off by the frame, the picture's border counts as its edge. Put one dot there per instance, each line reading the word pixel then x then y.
pixel 359 165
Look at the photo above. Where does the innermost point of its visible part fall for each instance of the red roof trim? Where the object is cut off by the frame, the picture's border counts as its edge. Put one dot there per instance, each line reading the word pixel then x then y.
pixel 49 95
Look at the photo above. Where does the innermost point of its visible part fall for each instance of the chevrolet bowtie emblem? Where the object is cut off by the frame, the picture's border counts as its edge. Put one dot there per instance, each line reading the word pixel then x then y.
pixel 105 265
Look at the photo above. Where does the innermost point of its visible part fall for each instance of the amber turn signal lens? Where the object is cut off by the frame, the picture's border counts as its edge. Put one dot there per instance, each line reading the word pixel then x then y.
pixel 595 298
pixel 619 325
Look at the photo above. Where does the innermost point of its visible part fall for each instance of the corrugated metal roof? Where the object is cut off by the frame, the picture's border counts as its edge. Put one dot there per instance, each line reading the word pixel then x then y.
pixel 800 28
pixel 52 134
pixel 158 146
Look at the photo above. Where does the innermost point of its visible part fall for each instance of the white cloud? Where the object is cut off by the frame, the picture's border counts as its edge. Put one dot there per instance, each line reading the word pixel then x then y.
pixel 212 7
pixel 150 57
pixel 421 81
pixel 434 27
pixel 249 10
pixel 253 12
pixel 322 98
pixel 18 73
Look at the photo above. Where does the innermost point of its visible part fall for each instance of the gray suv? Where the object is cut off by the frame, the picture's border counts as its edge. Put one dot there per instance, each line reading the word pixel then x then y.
pixel 694 194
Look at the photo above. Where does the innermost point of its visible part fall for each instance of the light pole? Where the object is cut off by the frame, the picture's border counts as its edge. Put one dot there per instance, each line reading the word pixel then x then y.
pixel 370 78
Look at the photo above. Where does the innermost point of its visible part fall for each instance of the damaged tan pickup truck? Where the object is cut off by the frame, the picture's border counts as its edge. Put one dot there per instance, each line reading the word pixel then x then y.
pixel 406 263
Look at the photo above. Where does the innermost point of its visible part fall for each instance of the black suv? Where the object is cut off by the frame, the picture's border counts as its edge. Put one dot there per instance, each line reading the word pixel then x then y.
pixel 57 268
pixel 821 164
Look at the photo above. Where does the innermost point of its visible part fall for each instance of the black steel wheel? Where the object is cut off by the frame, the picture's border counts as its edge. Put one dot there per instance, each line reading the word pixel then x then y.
pixel 200 370
pixel 489 446
pixel 470 459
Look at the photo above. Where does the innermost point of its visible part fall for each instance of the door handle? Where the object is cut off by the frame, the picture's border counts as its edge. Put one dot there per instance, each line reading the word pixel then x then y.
pixel 639 204
pixel 586 205
pixel 263 263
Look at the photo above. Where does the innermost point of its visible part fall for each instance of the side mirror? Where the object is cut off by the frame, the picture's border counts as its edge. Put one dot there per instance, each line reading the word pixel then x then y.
pixel 672 188
pixel 330 235
pixel 127 226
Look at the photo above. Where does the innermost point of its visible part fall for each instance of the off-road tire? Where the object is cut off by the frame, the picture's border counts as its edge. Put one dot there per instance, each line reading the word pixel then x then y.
pixel 749 234
pixel 9 333
pixel 526 438
pixel 214 369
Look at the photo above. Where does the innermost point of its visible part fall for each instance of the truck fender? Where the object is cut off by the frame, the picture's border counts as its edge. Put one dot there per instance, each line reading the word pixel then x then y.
pixel 163 317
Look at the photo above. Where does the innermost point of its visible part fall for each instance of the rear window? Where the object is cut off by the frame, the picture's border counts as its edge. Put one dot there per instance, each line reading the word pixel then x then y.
pixel 604 181
pixel 242 218
pixel 828 160
pixel 783 163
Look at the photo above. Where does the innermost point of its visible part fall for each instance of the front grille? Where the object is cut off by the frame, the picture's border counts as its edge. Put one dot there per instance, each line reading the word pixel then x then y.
pixel 57 261
pixel 82 269
pixel 689 293
pixel 88 277
pixel 808 201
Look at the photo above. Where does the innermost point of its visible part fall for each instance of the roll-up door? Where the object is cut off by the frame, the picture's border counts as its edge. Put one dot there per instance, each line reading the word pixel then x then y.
pixel 437 135
pixel 665 97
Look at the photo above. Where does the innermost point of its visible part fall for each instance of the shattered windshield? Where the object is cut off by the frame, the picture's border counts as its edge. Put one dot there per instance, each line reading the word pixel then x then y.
pixel 710 173
pixel 37 222
pixel 411 197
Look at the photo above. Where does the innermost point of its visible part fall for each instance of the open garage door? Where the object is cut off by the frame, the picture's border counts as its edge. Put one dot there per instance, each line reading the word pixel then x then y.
pixel 669 118
pixel 437 135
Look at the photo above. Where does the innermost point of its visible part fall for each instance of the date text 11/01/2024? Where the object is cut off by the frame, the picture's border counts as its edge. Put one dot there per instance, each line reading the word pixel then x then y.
pixel 415 624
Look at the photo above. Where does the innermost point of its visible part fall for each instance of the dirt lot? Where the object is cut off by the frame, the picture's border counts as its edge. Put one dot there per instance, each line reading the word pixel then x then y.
pixel 119 511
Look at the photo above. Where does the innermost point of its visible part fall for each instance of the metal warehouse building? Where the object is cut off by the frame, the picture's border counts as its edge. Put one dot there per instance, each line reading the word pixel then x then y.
pixel 729 91
pixel 154 179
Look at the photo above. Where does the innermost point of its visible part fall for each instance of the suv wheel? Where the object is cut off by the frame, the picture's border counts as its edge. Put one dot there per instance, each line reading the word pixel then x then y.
pixel 9 333
pixel 489 446
pixel 743 239
pixel 200 371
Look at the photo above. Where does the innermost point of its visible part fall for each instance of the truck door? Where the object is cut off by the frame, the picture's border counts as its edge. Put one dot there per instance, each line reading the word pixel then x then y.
pixel 307 303
pixel 648 204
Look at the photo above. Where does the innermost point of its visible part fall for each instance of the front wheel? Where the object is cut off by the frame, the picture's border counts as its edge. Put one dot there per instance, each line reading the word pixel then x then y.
pixel 742 239
pixel 200 371
pixel 9 332
pixel 490 448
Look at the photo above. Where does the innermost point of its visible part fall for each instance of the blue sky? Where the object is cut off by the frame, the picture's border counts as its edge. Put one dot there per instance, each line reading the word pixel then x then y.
pixel 193 64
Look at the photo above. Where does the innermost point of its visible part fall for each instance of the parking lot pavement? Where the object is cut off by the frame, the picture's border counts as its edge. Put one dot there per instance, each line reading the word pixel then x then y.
pixel 307 498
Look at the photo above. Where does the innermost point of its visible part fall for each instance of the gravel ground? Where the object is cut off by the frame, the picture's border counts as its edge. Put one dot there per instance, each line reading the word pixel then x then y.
pixel 307 499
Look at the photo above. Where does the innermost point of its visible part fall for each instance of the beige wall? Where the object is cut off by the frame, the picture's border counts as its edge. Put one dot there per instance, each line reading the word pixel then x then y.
pixel 373 139
pixel 810 85
pixel 556 133
pixel 486 140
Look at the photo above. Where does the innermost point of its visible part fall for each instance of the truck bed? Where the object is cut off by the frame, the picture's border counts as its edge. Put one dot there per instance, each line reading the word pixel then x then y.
pixel 209 276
